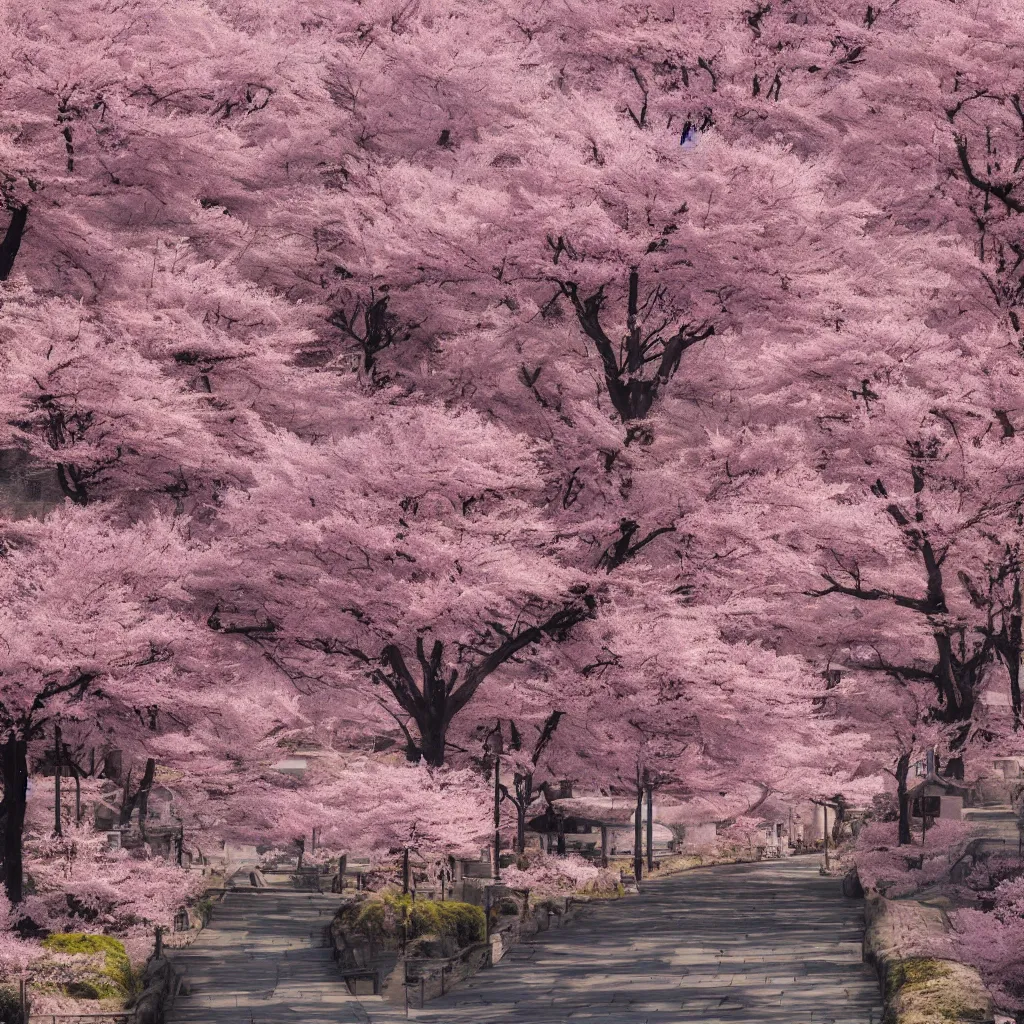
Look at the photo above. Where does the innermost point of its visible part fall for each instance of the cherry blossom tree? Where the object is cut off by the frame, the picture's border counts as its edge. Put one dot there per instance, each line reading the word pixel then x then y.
pixel 441 546
pixel 84 629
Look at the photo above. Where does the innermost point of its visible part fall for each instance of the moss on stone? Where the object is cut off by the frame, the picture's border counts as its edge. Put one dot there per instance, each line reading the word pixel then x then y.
pixel 913 972
pixel 922 990
pixel 380 918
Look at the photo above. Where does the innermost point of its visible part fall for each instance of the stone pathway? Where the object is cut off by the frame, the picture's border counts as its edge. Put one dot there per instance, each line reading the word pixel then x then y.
pixel 262 960
pixel 737 944
pixel 743 944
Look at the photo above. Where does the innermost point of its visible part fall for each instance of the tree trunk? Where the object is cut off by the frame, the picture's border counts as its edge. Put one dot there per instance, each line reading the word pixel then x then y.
pixel 12 241
pixel 638 843
pixel 15 777
pixel 302 851
pixel 524 792
pixel 560 849
pixel 405 871
pixel 432 743
pixel 902 770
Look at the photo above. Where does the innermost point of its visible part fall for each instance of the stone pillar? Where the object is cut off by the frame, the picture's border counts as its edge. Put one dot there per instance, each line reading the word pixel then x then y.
pixel 818 828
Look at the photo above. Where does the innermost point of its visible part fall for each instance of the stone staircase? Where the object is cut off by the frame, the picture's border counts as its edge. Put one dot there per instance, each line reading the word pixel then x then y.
pixel 265 959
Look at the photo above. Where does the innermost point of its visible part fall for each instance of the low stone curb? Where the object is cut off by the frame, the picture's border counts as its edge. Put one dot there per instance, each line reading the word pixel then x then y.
pixel 161 981
pixel 908 944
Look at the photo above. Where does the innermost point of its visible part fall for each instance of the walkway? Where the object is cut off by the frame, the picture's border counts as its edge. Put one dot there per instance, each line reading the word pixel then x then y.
pixel 770 942
pixel 263 960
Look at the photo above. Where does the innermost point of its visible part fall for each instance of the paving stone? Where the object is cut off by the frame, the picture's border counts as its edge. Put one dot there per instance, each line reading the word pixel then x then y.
pixel 760 943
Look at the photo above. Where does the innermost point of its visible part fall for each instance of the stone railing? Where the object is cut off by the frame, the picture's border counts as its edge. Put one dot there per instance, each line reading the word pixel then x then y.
pixel 429 977
pixel 111 1017
pixel 908 944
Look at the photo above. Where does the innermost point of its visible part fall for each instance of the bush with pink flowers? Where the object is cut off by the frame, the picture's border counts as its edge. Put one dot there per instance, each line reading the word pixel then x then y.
pixel 549 875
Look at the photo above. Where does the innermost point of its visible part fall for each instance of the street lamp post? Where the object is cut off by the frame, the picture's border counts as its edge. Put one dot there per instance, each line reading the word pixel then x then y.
pixel 497 815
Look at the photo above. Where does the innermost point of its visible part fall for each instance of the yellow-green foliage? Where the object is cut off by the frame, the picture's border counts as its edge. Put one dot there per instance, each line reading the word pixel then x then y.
pixel 380 918
pixel 117 979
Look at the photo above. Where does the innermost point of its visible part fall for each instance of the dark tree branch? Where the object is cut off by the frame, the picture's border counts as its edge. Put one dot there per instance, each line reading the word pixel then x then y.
pixel 1003 192
pixel 633 394
pixel 622 549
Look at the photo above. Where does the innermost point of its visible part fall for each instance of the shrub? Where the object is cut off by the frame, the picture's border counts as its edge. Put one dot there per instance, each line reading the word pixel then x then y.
pixel 549 875
pixel 10 1006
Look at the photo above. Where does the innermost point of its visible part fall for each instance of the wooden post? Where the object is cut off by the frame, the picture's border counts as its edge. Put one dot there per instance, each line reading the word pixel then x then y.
pixel 57 827
pixel 824 808
pixel 497 817
pixel 604 846
pixel 650 829
pixel 78 794
pixel 638 855
pixel 159 952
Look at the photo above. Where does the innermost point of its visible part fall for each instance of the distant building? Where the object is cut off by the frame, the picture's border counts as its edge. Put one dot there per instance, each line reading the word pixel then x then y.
pixel 26 489
pixel 938 797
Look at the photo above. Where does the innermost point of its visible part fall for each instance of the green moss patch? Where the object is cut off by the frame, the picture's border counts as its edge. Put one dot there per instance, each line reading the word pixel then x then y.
pixel 381 918
pixel 116 978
